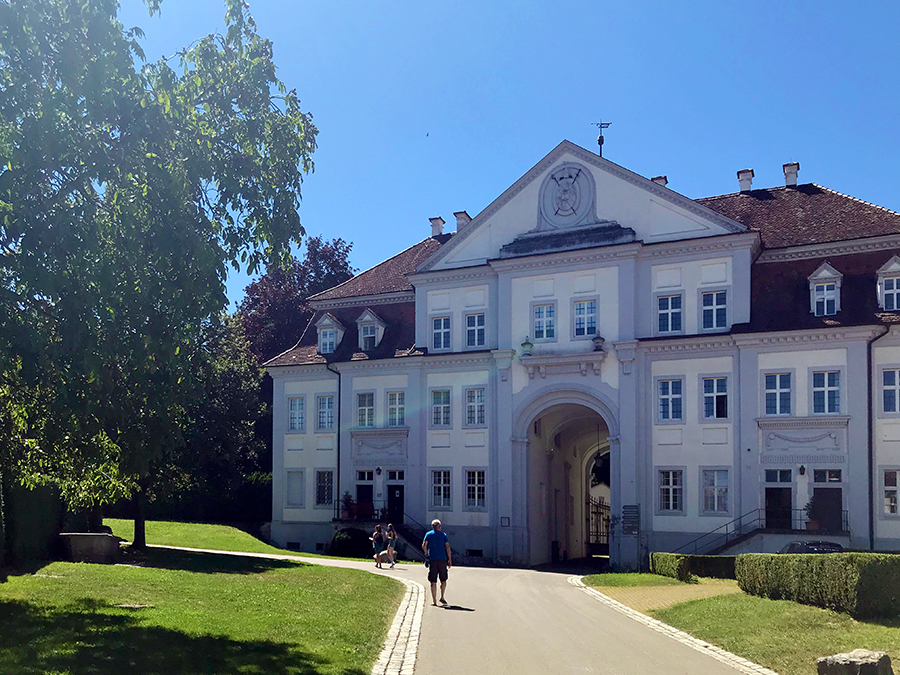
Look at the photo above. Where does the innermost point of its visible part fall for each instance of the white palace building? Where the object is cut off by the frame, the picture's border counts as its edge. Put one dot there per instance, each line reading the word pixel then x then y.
pixel 597 363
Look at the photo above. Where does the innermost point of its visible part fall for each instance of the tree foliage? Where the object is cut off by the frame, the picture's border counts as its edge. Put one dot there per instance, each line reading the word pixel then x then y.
pixel 274 310
pixel 126 193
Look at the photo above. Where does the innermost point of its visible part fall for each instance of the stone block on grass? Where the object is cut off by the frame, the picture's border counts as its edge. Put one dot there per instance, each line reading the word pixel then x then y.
pixel 857 662
pixel 91 547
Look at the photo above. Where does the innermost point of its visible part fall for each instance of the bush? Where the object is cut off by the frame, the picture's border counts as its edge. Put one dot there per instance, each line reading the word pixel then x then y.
pixel 861 584
pixel 351 543
pixel 670 565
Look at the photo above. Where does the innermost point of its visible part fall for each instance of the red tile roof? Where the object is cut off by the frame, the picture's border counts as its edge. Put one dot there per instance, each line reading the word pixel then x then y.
pixel 805 214
pixel 399 337
pixel 389 276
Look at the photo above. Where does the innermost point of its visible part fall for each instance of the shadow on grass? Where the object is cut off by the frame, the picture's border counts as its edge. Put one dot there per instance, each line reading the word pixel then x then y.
pixel 209 563
pixel 23 568
pixel 84 638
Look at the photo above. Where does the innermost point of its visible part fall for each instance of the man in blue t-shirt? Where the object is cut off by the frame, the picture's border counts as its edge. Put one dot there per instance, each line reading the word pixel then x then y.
pixel 437 552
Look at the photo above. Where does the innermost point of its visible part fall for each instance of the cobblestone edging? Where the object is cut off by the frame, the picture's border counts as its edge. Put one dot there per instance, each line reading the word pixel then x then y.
pixel 733 660
pixel 398 657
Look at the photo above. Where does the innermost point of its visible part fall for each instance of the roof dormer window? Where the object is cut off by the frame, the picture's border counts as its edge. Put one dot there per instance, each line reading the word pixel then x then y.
pixel 330 333
pixel 825 291
pixel 889 285
pixel 371 330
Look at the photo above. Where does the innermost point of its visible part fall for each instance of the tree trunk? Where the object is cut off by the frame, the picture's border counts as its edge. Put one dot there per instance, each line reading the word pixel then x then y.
pixel 140 517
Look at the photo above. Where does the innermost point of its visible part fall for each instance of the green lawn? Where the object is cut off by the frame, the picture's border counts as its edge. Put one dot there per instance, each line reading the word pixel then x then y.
pixel 195 535
pixel 192 613
pixel 629 579
pixel 779 634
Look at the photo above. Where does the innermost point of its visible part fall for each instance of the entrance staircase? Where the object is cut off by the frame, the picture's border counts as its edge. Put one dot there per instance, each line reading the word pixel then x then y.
pixel 411 532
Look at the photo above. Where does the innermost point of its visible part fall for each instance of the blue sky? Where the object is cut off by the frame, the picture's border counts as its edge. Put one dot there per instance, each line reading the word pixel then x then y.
pixel 428 108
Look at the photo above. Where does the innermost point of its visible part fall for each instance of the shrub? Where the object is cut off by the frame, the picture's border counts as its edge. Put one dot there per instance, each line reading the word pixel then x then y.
pixel 351 543
pixel 670 565
pixel 861 584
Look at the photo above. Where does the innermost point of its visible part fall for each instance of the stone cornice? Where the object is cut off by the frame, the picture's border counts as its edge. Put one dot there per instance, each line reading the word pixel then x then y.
pixel 307 371
pixel 689 344
pixel 594 160
pixel 839 334
pixel 558 364
pixel 567 258
pixel 390 432
pixel 365 300
pixel 456 274
pixel 819 422
pixel 884 243
pixel 700 245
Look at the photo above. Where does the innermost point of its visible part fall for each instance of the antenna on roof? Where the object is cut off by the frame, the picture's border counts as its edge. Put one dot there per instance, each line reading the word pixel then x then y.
pixel 601 125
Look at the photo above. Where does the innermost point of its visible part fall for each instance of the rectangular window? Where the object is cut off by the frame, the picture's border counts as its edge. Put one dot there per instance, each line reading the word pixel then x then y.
pixel 475 407
pixel 296 418
pixel 891 294
pixel 825 296
pixel 326 341
pixel 396 408
pixel 715 398
pixel 396 474
pixel 778 475
pixel 474 330
pixel 440 328
pixel 475 489
pixel 585 318
pixel 366 476
pixel 778 394
pixel 440 408
pixel 365 410
pixel 296 492
pixel 890 390
pixel 827 392
pixel 368 338
pixel 826 475
pixel 891 482
pixel 669 313
pixel 324 488
pixel 670 400
pixel 440 488
pixel 325 412
pixel 671 490
pixel 715 491
pixel 544 322
pixel 715 310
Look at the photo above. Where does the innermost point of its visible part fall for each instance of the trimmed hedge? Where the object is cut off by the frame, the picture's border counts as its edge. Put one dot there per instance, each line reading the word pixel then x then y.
pixel 350 543
pixel 861 584
pixel 683 567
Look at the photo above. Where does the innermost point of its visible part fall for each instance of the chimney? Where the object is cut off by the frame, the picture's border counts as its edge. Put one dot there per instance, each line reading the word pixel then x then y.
pixel 660 180
pixel 745 179
pixel 437 226
pixel 790 173
pixel 462 219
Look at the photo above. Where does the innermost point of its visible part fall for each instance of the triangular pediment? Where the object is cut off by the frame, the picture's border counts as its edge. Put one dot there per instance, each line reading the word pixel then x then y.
pixel 825 271
pixel 577 199
pixel 328 321
pixel 368 316
pixel 892 266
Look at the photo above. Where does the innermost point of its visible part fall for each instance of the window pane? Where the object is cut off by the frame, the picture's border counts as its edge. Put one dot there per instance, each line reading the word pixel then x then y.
pixel 890 478
pixel 889 378
pixel 770 381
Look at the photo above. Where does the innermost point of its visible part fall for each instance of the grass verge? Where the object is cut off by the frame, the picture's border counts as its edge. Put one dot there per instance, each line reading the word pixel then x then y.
pixel 779 634
pixel 629 579
pixel 194 613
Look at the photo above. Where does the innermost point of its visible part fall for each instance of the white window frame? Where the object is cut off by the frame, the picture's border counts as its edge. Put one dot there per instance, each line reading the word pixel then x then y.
pixel 669 492
pixel 475 409
pixel 718 320
pixel 669 312
pixel 778 391
pixel 831 476
pixel 327 340
pixel 890 493
pixel 365 414
pixel 779 474
pixel 475 482
pixel 296 416
pixel 547 323
pixel 825 389
pixel 819 292
pixel 718 393
pixel 396 408
pixel 366 331
pixel 446 409
pixel 585 317
pixel 717 490
pixel 893 388
pixel 665 399
pixel 443 331
pixel 324 412
pixel 365 476
pixel 476 334
pixel 444 483
pixel 329 503
pixel 890 293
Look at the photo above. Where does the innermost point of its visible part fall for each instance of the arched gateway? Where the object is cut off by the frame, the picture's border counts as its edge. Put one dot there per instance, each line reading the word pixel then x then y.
pixel 571 449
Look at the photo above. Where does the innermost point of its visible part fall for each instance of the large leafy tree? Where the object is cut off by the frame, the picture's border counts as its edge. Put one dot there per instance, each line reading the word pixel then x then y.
pixel 274 310
pixel 127 190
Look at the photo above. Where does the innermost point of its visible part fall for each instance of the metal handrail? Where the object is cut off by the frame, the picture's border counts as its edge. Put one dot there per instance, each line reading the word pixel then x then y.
pixel 731 529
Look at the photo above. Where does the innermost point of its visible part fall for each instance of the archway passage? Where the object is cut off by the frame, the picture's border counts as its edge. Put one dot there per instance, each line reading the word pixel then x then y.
pixel 569 485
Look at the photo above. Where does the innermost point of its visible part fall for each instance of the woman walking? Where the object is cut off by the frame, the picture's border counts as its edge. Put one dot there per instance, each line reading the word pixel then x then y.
pixel 391 543
pixel 378 540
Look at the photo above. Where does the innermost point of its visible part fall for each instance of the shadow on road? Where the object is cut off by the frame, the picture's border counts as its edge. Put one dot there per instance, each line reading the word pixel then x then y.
pixel 458 608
